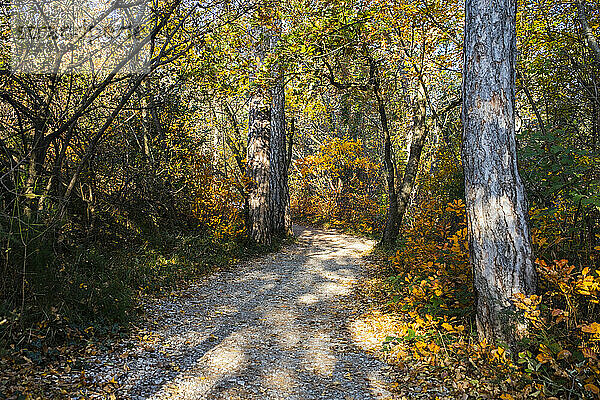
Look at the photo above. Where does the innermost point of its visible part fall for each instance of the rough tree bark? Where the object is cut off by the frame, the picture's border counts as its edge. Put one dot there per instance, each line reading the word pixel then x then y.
pixel 258 166
pixel 499 240
pixel 280 197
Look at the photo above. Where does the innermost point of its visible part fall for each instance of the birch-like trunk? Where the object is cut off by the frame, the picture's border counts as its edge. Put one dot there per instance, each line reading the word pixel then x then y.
pixel 499 240
pixel 590 39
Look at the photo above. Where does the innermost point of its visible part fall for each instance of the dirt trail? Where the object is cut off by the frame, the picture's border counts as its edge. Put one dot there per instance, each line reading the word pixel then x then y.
pixel 275 328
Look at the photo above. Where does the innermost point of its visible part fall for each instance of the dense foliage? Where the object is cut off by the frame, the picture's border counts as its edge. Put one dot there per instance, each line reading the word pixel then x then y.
pixel 338 187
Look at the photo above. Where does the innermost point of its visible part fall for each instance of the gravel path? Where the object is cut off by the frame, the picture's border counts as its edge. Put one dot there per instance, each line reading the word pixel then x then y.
pixel 275 328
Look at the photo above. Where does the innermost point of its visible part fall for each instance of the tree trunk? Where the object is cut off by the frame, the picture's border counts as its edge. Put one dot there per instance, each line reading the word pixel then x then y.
pixel 499 240
pixel 587 31
pixel 280 197
pixel 392 223
pixel 259 134
pixel 414 156
pixel 290 144
pixel 398 204
pixel 288 163
pixel 36 160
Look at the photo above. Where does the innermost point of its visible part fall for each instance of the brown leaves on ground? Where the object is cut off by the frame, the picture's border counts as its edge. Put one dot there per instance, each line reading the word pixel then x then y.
pixel 40 371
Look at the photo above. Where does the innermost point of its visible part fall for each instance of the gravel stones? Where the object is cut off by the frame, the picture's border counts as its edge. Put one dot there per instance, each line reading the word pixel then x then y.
pixel 275 328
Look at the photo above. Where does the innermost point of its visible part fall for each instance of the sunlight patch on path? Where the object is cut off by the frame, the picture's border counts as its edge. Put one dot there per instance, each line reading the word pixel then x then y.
pixel 278 328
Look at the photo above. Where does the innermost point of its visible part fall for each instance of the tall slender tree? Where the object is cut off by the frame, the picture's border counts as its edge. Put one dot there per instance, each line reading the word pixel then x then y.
pixel 279 196
pixel 392 222
pixel 399 198
pixel 498 232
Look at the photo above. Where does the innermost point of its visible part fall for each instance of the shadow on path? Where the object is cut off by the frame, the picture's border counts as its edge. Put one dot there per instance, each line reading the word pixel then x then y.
pixel 274 329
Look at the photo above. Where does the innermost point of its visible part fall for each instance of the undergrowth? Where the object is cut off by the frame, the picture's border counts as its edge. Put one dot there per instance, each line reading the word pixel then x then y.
pixel 338 188
pixel 427 312
pixel 100 285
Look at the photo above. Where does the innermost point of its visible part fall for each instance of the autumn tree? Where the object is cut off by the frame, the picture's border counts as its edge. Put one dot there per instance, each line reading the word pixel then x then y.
pixel 269 210
pixel 425 49
pixel 499 239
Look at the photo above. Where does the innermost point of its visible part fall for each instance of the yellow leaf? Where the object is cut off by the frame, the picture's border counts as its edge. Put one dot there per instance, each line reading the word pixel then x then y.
pixel 592 328
pixel 507 396
pixel 447 327
pixel 589 353
pixel 434 348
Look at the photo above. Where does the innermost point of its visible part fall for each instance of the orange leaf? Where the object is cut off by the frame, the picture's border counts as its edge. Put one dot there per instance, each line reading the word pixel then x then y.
pixel 592 388
pixel 543 358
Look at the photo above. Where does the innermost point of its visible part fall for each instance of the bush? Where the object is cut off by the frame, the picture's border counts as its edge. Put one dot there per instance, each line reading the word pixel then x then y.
pixel 338 187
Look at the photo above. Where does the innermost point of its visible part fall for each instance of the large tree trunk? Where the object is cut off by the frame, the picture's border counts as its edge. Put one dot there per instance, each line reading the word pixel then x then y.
pixel 259 134
pixel 500 249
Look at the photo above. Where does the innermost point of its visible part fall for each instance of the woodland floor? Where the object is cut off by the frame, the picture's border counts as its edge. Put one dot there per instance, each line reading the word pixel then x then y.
pixel 279 327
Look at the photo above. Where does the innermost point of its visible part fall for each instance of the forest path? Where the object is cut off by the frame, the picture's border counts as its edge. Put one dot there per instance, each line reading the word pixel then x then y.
pixel 275 328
